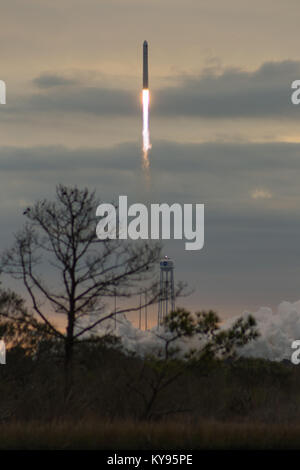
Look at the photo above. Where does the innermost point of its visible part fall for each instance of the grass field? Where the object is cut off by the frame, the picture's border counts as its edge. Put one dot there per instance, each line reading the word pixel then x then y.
pixel 132 435
pixel 245 404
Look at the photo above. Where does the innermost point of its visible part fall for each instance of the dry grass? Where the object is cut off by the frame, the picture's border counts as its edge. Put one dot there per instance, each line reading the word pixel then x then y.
pixel 146 435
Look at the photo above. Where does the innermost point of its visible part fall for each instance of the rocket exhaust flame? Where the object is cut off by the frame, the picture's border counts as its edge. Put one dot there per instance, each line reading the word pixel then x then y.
pixel 146 133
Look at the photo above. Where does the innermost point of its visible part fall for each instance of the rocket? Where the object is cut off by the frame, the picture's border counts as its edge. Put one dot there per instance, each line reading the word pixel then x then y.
pixel 145 66
pixel 145 100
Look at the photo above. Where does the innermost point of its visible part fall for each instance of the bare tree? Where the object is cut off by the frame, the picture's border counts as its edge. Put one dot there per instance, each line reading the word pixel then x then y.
pixel 67 270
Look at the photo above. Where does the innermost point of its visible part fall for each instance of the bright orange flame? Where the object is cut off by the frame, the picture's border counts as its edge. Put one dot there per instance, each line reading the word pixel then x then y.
pixel 146 133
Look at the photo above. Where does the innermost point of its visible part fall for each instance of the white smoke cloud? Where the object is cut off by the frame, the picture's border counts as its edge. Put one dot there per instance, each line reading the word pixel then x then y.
pixel 277 332
pixel 140 342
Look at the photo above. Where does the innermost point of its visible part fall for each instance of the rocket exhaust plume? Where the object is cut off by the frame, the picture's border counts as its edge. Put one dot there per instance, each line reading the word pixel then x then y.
pixel 146 133
pixel 146 100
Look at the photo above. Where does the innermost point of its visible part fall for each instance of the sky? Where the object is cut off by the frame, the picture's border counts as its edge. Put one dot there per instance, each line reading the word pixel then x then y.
pixel 224 132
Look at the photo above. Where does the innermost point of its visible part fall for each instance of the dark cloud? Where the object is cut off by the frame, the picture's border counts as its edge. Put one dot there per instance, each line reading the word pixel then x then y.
pixel 52 80
pixel 81 99
pixel 59 158
pixel 265 92
pixel 208 157
pixel 225 175
pixel 231 93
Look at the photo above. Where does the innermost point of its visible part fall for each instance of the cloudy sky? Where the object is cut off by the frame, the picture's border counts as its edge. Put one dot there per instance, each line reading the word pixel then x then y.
pixel 223 129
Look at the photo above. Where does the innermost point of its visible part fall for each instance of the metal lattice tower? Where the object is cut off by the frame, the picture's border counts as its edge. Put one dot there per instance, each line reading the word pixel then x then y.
pixel 166 303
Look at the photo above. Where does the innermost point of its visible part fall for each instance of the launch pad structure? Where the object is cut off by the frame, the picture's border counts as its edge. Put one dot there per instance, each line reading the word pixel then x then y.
pixel 166 297
pixel 166 302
